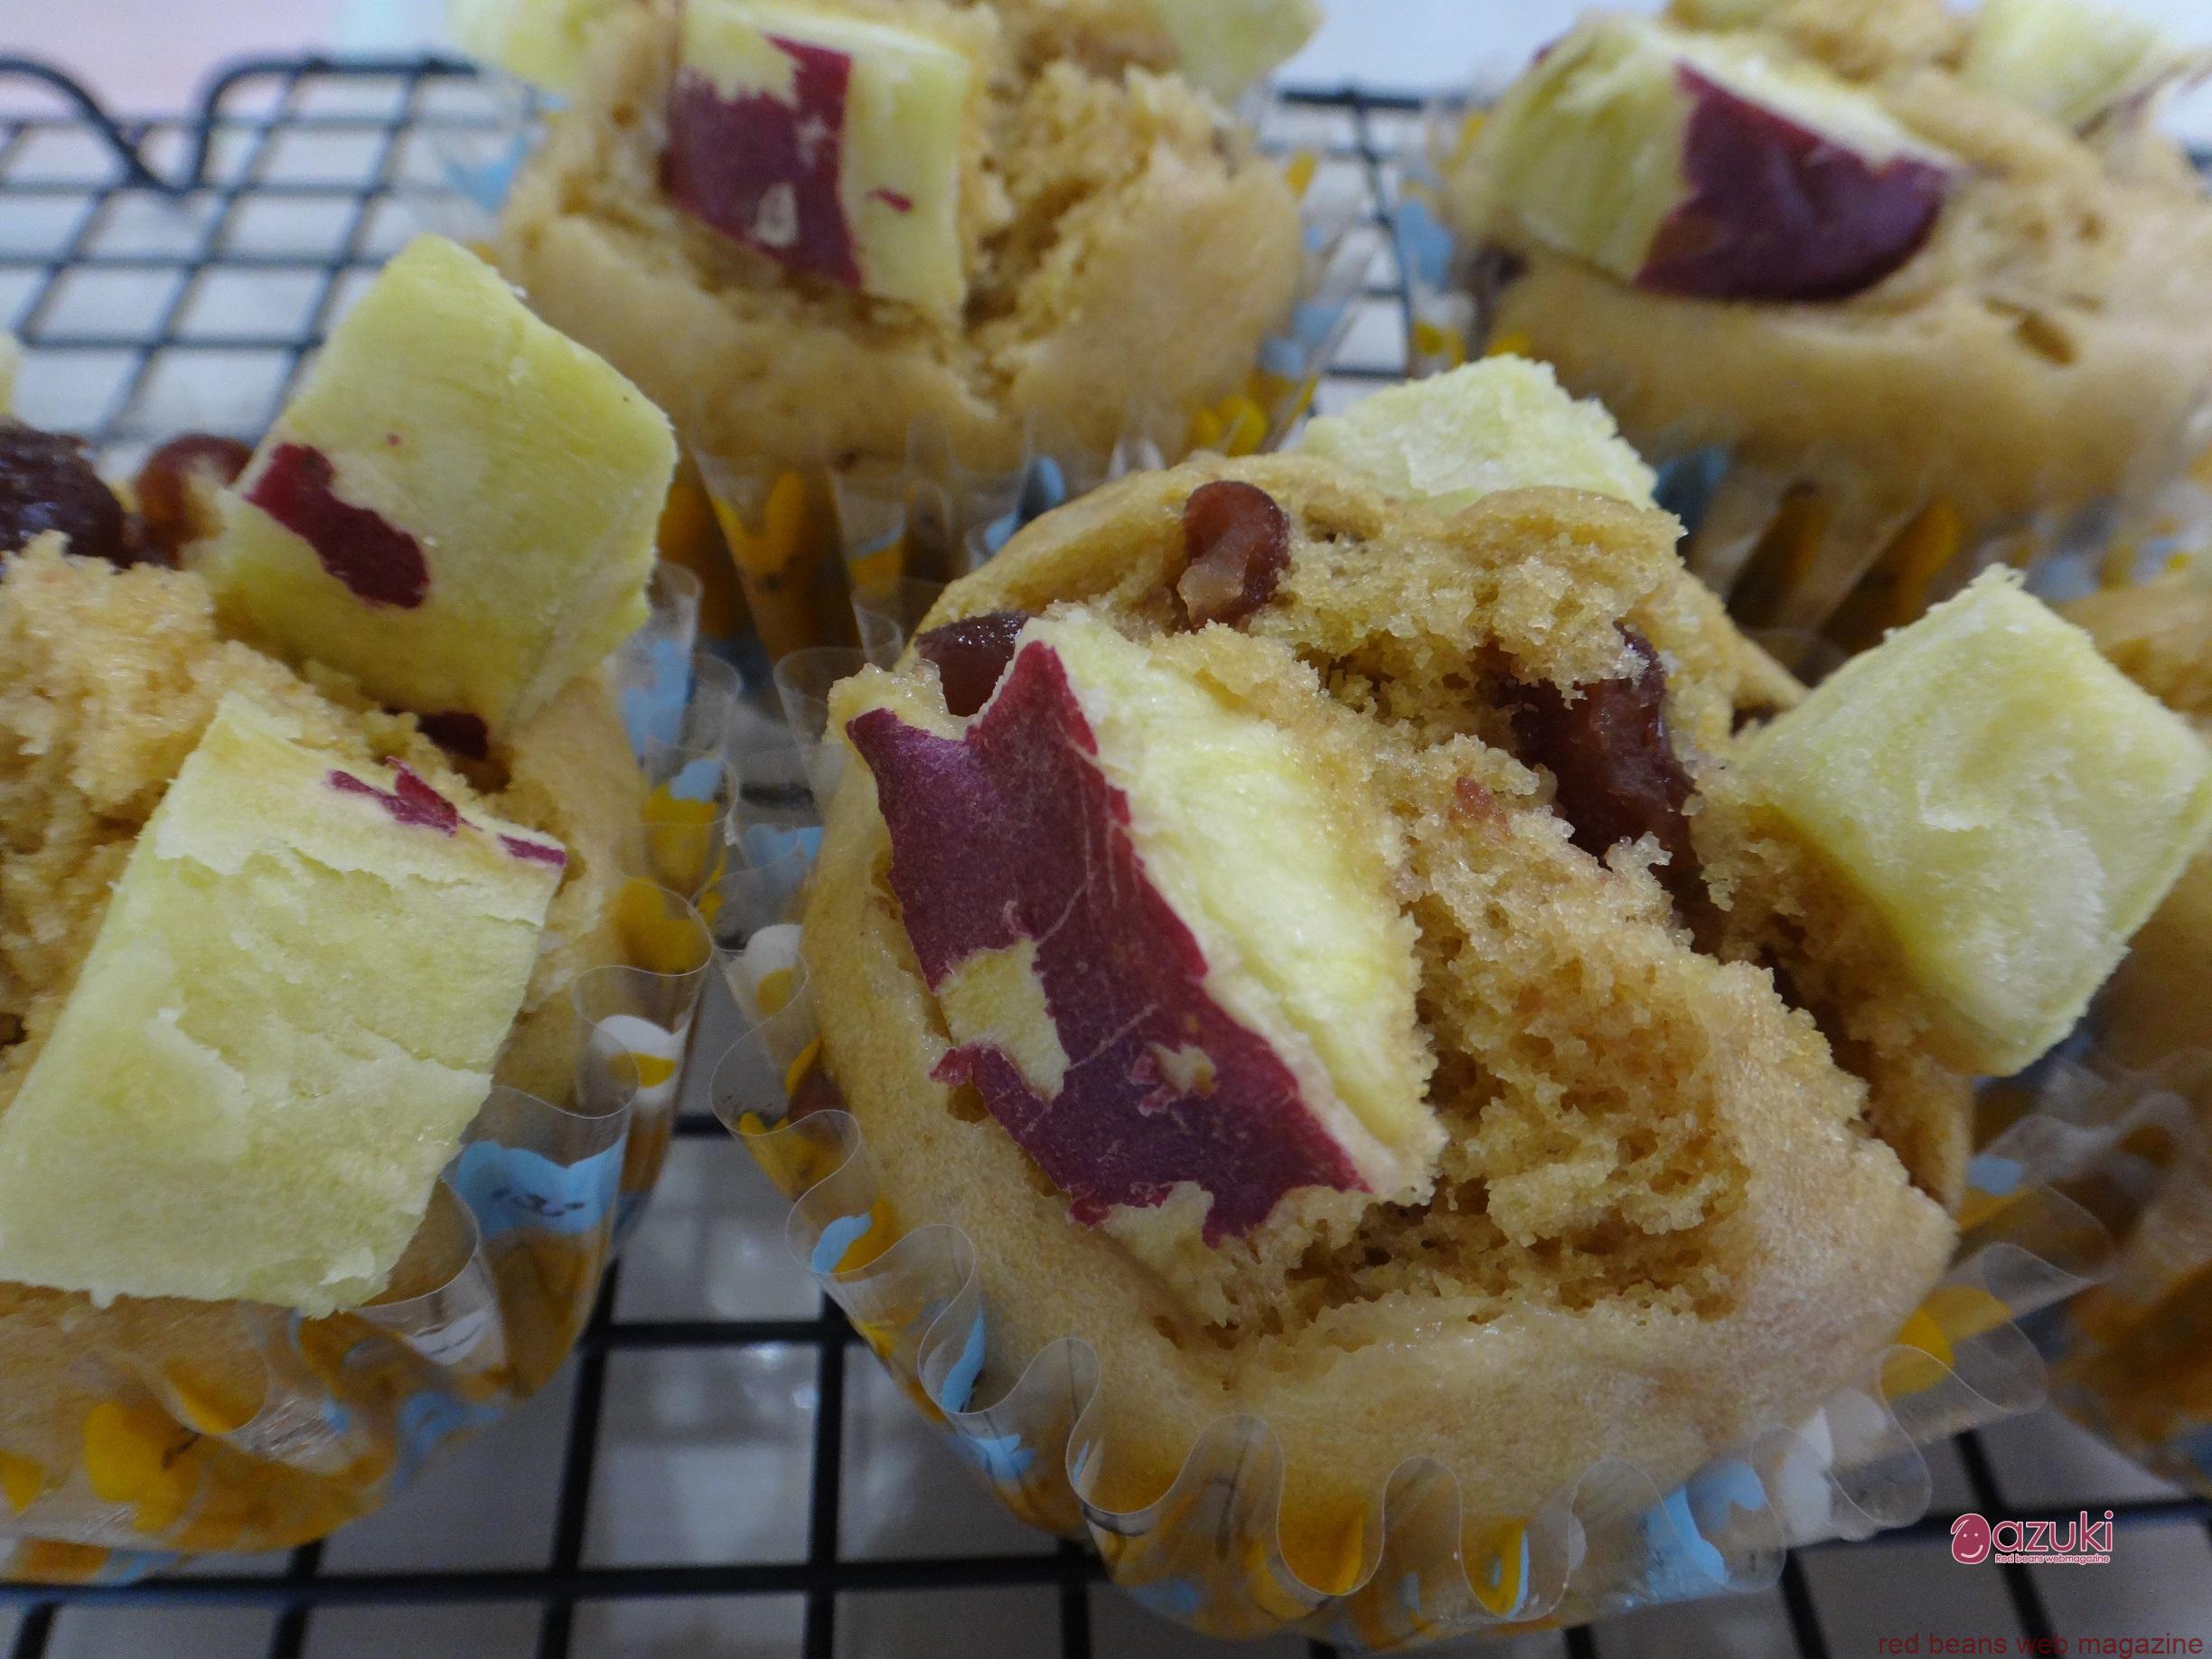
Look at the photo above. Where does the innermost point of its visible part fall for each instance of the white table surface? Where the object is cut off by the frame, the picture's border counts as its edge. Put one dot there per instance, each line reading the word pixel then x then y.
pixel 704 1455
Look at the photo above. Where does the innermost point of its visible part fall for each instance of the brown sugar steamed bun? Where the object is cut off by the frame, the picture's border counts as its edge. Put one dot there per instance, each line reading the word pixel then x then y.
pixel 1360 939
pixel 1065 230
pixel 1403 1046
pixel 265 946
pixel 1904 259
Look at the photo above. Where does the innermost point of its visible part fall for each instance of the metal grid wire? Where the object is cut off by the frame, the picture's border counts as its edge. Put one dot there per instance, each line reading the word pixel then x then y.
pixel 172 274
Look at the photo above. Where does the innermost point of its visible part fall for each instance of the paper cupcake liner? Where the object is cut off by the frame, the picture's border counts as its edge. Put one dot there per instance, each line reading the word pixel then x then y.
pixel 1818 544
pixel 135 1435
pixel 1219 1550
pixel 2130 1359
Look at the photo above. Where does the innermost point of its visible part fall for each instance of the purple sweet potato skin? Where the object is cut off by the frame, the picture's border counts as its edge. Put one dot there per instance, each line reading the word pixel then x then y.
pixel 727 157
pixel 1777 212
pixel 1012 833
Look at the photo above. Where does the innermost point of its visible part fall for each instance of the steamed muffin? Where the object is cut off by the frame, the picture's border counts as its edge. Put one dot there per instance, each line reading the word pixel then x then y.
pixel 1648 1151
pixel 2021 265
pixel 1108 248
pixel 278 904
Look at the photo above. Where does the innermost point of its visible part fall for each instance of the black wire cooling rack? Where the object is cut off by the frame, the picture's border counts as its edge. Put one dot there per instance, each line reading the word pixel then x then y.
pixel 172 274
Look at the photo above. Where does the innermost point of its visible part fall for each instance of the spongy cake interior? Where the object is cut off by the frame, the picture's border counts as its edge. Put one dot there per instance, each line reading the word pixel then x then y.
pixel 1603 1059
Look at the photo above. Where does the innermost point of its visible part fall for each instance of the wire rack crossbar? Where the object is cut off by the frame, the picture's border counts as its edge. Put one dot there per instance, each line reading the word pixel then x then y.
pixel 223 152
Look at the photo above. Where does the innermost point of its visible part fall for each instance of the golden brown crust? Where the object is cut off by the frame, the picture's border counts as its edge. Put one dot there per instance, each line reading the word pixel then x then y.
pixel 1126 255
pixel 1665 1214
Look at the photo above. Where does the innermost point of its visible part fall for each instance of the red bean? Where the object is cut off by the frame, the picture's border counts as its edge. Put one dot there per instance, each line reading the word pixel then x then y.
pixel 1238 541
pixel 1618 773
pixel 971 656
pixel 47 483
pixel 172 485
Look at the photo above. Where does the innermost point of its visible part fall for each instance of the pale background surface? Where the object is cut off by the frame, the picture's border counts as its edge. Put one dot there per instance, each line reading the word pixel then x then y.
pixel 145 55
pixel 705 1454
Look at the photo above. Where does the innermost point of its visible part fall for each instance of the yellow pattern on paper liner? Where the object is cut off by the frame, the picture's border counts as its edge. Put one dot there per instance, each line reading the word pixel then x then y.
pixel 652 1069
pixel 21 1481
pixel 691 535
pixel 775 563
pixel 1782 558
pixel 774 993
pixel 1436 347
pixel 1289 400
pixel 1327 1552
pixel 1979 1206
pixel 1236 425
pixel 793 1162
pixel 1503 1544
pixel 881 567
pixel 880 1234
pixel 808 1056
pixel 1511 343
pixel 770 551
pixel 652 938
pixel 665 809
pixel 45 1560
pixel 688 855
pixel 1926 1351
pixel 206 1402
pixel 1299 172
pixel 136 1453
pixel 1242 423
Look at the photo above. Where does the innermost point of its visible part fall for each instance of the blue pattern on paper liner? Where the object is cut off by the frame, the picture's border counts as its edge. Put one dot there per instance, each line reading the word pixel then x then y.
pixel 1175 1598
pixel 1998 1176
pixel 1043 486
pixel 1001 1457
pixel 1424 245
pixel 1687 484
pixel 1681 1562
pixel 763 844
pixel 430 1419
pixel 839 1236
pixel 654 711
pixel 509 1188
pixel 485 185
pixel 700 780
